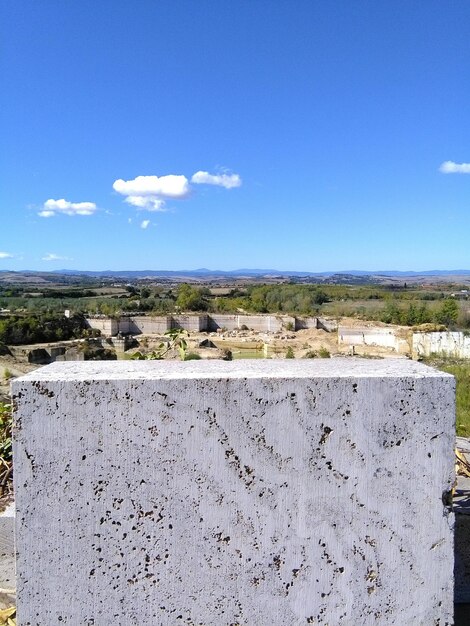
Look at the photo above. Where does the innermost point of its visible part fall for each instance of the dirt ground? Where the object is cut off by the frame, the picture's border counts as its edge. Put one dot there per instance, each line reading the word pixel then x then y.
pixel 302 342
pixel 11 367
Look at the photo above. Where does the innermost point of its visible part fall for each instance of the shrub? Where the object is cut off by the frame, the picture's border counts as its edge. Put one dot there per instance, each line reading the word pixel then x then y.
pixel 311 354
pixel 5 432
pixel 6 469
pixel 290 353
pixel 228 356
pixel 323 353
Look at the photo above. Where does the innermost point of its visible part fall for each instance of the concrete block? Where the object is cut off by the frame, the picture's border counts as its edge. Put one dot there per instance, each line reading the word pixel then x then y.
pixel 222 493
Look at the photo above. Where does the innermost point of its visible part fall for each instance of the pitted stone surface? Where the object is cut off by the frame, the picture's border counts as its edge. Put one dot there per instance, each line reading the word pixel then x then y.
pixel 259 493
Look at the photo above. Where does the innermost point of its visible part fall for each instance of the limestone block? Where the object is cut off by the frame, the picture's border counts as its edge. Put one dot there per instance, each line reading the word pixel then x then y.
pixel 221 493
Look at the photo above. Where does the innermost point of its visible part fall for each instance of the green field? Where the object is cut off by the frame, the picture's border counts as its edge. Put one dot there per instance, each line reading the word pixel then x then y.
pixel 461 370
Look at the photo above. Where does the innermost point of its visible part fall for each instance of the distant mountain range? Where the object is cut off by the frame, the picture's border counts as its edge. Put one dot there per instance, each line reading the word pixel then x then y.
pixel 257 274
pixel 262 272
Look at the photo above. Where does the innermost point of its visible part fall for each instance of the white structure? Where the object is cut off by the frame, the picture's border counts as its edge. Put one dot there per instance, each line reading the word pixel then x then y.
pixel 453 344
pixel 149 325
pixel 262 492
pixel 375 336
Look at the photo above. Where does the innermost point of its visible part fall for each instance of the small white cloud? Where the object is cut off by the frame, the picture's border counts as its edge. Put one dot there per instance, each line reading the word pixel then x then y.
pixel 449 167
pixel 150 203
pixel 53 207
pixel 50 256
pixel 144 224
pixel 229 181
pixel 6 255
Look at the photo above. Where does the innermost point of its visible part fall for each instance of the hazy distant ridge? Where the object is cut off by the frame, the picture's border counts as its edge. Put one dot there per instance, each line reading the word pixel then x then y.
pixel 241 273
pixel 263 272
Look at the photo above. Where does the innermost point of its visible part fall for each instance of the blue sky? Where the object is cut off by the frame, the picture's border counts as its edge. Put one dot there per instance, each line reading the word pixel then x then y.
pixel 288 134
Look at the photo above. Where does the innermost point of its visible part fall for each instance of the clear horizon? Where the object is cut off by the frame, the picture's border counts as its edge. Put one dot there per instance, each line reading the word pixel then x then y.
pixel 248 135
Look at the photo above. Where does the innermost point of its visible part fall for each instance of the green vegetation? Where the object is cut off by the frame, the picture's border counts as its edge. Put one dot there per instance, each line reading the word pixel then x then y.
pixel 461 370
pixel 323 353
pixel 310 354
pixel 290 353
pixel 395 304
pixel 93 352
pixel 176 341
pixel 192 298
pixel 6 460
pixel 35 328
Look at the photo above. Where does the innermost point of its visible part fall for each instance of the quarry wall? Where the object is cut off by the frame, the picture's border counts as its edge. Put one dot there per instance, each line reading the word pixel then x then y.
pixel 455 344
pixel 374 336
pixel 150 325
pixel 107 325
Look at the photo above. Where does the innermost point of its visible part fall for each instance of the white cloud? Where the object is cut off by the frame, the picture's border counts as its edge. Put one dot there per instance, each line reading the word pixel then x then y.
pixel 50 256
pixel 221 180
pixel 171 186
pixel 54 207
pixel 449 167
pixel 150 192
pixel 144 224
pixel 150 203
pixel 6 255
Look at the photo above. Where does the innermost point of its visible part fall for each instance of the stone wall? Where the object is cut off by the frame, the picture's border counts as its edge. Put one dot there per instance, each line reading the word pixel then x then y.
pixel 453 344
pixel 194 323
pixel 373 336
pixel 262 492
pixel 218 321
pixel 329 325
pixel 147 325
pixel 306 322
pixel 258 323
pixel 106 325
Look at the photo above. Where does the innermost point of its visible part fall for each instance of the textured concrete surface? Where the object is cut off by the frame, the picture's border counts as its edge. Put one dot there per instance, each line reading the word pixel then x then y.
pixel 267 492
